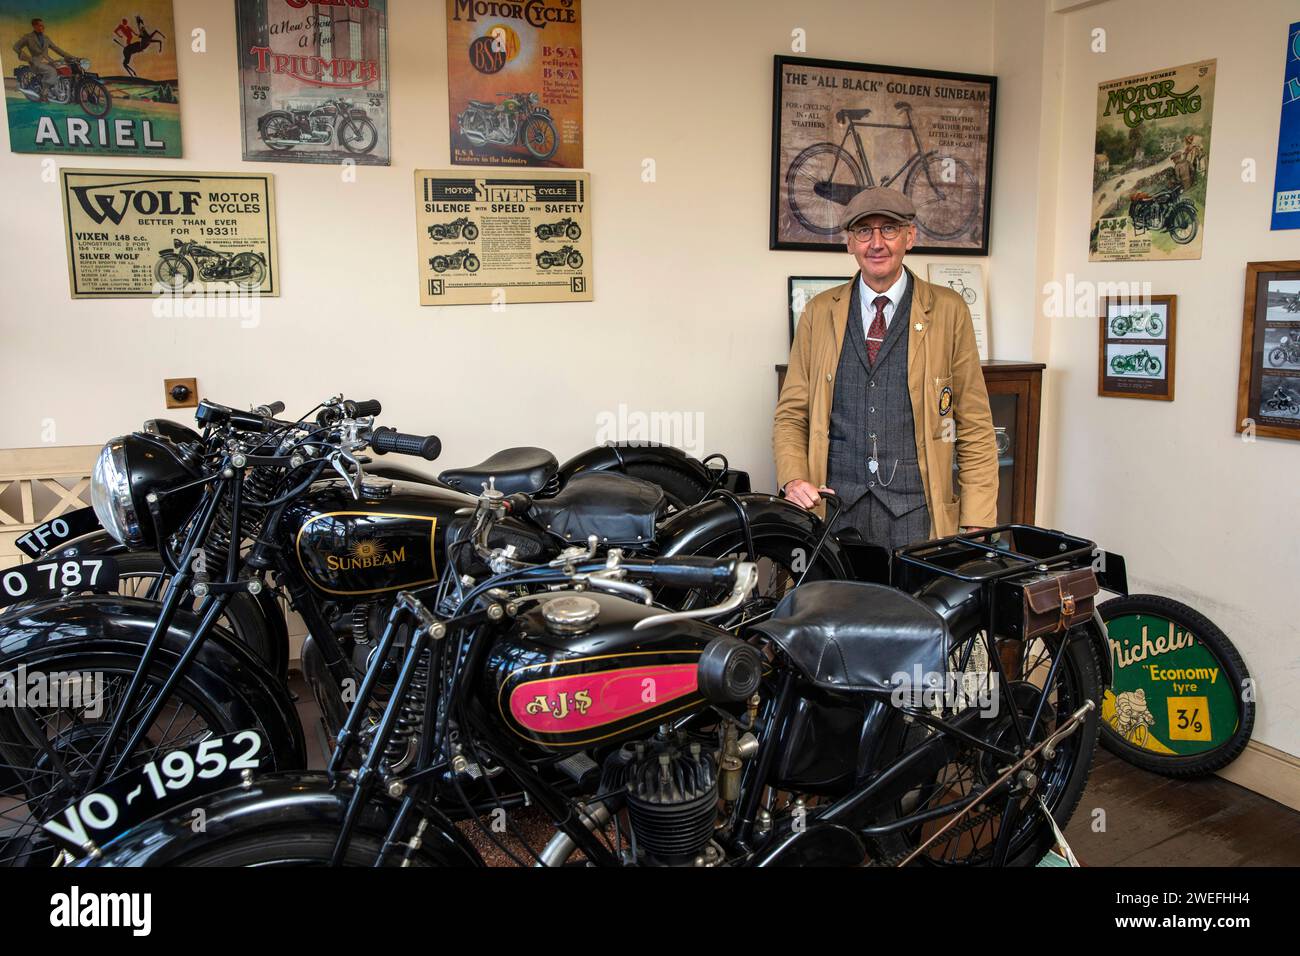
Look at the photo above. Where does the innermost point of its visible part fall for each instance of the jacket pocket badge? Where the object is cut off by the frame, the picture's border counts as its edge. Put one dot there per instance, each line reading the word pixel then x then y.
pixel 945 400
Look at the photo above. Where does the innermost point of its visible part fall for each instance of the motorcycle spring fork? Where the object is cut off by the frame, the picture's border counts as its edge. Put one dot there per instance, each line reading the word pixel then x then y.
pixel 402 744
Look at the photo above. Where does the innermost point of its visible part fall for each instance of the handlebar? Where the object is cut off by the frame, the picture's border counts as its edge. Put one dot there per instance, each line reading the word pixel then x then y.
pixel 385 440
pixel 687 571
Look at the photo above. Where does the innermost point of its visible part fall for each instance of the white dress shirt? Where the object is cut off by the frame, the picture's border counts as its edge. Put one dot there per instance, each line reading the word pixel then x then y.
pixel 867 296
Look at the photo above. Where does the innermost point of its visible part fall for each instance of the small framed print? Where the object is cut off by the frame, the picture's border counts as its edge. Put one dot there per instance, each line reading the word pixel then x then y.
pixel 1268 388
pixel 802 290
pixel 1136 348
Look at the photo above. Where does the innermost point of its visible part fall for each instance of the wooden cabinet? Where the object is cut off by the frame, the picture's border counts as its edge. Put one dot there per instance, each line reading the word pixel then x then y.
pixel 1015 395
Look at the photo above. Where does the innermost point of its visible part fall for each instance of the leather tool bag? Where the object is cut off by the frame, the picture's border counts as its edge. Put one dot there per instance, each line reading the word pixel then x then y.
pixel 1057 602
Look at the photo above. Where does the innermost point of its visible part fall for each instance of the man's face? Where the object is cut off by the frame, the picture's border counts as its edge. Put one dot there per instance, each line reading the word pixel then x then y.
pixel 39 26
pixel 881 259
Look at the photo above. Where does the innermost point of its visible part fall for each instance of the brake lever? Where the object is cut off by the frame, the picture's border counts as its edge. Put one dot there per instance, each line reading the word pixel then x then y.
pixel 337 459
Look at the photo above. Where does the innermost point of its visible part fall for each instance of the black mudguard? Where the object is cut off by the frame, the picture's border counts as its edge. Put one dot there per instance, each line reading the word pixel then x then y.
pixel 110 625
pixel 98 541
pixel 271 802
pixel 617 456
pixel 693 531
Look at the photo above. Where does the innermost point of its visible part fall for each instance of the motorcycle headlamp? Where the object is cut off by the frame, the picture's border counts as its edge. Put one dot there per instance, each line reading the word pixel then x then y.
pixel 127 470
pixel 110 495
pixel 85 64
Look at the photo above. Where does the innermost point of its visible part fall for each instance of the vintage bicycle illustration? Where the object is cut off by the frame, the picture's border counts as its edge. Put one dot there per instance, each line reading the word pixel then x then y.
pixel 564 229
pixel 962 289
pixel 175 268
pixel 559 258
pixel 462 259
pixel 826 176
pixel 1138 363
pixel 1143 320
pixel 1167 211
pixel 455 229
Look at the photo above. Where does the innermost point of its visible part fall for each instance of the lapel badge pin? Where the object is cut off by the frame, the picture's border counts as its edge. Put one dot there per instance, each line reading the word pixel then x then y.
pixel 918 326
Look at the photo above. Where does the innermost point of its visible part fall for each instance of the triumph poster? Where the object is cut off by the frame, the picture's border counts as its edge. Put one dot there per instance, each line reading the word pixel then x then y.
pixel 135 233
pixel 503 236
pixel 91 77
pixel 1152 152
pixel 838 128
pixel 514 82
pixel 313 80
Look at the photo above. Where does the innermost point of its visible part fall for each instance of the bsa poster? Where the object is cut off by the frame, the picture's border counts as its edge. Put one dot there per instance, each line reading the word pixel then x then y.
pixel 503 236
pixel 91 77
pixel 514 82
pixel 1152 151
pixel 134 233
pixel 838 128
pixel 313 81
pixel 1286 183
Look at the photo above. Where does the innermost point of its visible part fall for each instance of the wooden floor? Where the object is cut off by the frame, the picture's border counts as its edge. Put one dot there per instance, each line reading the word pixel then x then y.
pixel 1151 820
pixel 1148 820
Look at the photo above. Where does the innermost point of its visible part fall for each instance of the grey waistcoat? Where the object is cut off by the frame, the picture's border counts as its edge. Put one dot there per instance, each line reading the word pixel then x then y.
pixel 875 400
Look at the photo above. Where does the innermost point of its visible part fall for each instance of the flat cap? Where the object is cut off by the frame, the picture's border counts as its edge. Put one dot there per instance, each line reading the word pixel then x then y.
pixel 878 201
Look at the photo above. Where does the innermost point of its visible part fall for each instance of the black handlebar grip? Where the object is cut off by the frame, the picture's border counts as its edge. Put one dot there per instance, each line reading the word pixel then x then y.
pixel 364 409
pixel 689 571
pixel 384 440
pixel 270 410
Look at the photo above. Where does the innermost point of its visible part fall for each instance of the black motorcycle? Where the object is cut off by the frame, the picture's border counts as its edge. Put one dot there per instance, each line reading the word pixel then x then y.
pixel 454 230
pixel 1168 210
pixel 74 84
pixel 564 229
pixel 559 258
pixel 251 508
pixel 519 119
pixel 463 259
pixel 1286 352
pixel 651 738
pixel 175 268
pixel 1282 401
pixel 334 121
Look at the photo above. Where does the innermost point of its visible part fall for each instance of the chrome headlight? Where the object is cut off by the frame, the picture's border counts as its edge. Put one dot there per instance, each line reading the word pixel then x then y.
pixel 110 495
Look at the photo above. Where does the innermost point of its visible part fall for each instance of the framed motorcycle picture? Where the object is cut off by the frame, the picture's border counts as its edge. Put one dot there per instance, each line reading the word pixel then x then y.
pixel 1268 387
pixel 1136 347
pixel 838 128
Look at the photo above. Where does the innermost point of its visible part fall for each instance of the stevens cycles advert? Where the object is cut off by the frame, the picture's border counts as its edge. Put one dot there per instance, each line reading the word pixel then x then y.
pixel 134 233
pixel 503 236
pixel 91 77
pixel 313 81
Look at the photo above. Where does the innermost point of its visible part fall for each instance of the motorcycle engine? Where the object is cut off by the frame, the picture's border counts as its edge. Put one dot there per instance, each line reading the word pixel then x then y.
pixel 670 783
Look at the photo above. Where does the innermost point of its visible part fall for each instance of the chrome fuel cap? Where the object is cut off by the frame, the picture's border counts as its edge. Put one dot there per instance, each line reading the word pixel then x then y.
pixel 571 614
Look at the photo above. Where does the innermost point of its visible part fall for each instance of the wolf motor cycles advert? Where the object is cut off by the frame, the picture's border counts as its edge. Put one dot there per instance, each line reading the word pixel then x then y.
pixel 313 81
pixel 134 233
pixel 91 77
pixel 514 82
pixel 1148 174
pixel 1286 181
pixel 503 236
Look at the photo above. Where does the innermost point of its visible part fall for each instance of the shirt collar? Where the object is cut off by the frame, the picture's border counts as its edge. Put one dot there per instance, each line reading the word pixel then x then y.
pixel 894 293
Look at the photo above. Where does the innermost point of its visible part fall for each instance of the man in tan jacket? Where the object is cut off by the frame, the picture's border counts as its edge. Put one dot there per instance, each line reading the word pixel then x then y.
pixel 884 387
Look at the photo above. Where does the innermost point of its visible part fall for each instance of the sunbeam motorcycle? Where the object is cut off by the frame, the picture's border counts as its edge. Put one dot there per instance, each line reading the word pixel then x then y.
pixel 334 121
pixel 564 229
pixel 559 258
pixel 175 266
pixel 649 737
pixel 454 229
pixel 456 260
pixel 519 119
pixel 1137 363
pixel 252 507
pixel 75 84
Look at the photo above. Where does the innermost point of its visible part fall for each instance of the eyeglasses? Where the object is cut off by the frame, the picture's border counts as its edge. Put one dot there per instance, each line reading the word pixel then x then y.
pixel 889 230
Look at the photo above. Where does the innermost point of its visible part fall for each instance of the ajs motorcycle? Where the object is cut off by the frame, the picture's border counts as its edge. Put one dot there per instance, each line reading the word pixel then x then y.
pixel 175 268
pixel 334 121
pixel 249 508
pixel 559 258
pixel 461 259
pixel 75 84
pixel 454 230
pixel 652 738
pixel 518 119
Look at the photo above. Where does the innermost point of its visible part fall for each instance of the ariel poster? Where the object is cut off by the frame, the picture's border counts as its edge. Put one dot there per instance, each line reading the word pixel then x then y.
pixel 514 82
pixel 90 77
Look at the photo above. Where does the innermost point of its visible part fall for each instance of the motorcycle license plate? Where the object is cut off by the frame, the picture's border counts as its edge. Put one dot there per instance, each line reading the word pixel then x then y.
pixel 45 579
pixel 143 793
pixel 53 533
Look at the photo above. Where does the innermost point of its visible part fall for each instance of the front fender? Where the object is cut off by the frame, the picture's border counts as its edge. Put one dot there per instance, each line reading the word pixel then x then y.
pixel 110 625
pixel 271 802
pixel 616 456
pixel 98 541
pixel 698 528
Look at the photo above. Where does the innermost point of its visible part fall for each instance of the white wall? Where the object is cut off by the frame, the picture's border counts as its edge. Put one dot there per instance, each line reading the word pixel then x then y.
pixel 1200 515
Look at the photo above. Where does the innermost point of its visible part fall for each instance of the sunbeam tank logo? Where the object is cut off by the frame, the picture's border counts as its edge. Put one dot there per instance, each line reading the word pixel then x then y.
pixel 364 552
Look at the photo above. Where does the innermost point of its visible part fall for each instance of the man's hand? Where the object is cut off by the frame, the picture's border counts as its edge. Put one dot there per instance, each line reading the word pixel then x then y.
pixel 804 493
pixel 972 529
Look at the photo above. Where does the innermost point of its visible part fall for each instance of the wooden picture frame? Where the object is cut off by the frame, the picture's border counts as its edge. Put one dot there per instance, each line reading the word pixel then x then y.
pixel 800 290
pixel 1270 351
pixel 1135 347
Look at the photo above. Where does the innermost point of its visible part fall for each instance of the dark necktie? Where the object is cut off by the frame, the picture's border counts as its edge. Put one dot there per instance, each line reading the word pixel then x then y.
pixel 876 334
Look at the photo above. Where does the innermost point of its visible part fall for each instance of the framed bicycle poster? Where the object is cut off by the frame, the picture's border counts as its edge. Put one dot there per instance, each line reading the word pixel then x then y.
pixel 839 127
pixel 1268 389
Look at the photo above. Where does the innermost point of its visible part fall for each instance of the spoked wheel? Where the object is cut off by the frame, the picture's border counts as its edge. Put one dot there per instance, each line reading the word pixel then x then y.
pixel 1058 781
pixel 1183 225
pixel 540 137
pixel 358 135
pixel 279 132
pixel 946 194
pixel 819 185
pixel 94 98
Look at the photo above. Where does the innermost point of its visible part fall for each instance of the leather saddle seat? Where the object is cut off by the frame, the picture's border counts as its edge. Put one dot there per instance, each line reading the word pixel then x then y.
pixel 618 509
pixel 854 636
pixel 526 469
pixel 483 104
